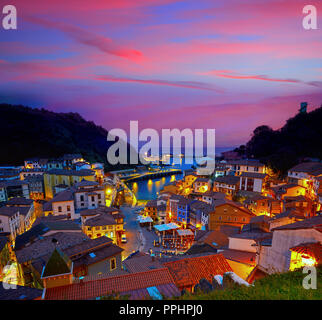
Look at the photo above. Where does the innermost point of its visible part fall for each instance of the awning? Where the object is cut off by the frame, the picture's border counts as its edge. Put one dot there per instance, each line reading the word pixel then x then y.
pixel 185 232
pixel 166 227
pixel 143 219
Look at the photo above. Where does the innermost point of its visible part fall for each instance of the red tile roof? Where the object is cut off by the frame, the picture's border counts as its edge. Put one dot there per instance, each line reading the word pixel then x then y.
pixel 311 223
pixel 188 272
pixel 118 284
pixel 240 256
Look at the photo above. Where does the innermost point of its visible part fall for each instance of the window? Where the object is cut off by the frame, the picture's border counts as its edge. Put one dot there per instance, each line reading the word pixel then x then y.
pixel 59 209
pixel 112 264
pixel 99 196
pixel 97 228
pixel 82 198
pixel 68 208
pixel 93 198
pixel 219 218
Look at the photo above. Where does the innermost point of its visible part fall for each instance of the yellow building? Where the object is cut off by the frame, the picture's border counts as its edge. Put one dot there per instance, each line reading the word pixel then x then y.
pixel 188 180
pixel 103 221
pixel 55 177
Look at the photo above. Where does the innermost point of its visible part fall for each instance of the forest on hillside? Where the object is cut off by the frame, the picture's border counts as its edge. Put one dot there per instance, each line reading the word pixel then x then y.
pixel 29 132
pixel 299 138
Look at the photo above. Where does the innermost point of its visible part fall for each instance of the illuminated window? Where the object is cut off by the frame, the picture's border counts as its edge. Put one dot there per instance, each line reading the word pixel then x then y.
pixel 112 264
pixel 59 209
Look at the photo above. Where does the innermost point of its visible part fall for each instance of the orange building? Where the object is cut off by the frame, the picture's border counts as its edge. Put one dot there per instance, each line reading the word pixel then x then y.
pixel 151 209
pixel 229 213
pixel 287 190
pixel 261 205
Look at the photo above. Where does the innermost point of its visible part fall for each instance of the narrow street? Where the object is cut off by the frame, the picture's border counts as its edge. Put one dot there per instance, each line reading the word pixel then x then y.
pixel 137 238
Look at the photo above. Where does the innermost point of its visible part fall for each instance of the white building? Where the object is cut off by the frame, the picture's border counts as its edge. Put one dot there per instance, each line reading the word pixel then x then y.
pixel 61 204
pixel 88 195
pixel 239 166
pixel 15 219
pixel 252 181
pixel 277 256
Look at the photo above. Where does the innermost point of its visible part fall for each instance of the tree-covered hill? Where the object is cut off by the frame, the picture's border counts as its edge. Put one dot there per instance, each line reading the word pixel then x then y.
pixel 28 132
pixel 281 149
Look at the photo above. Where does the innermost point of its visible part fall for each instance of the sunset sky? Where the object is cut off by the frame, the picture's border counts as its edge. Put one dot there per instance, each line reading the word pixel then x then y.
pixel 229 65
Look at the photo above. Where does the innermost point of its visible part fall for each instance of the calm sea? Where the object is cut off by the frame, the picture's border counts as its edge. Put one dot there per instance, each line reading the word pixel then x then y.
pixel 148 189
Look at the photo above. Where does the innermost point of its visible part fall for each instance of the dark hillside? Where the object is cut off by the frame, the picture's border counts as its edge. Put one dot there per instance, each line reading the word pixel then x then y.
pixel 27 132
pixel 281 149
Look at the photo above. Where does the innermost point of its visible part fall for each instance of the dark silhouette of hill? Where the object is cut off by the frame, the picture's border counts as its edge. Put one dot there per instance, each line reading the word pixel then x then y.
pixel 299 138
pixel 28 132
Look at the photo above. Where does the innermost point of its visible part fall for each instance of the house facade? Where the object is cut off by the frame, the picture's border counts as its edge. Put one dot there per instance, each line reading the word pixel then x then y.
pixel 56 177
pixel 228 213
pixel 277 257
pixel 103 221
pixel 227 184
pixel 240 166
pixel 252 181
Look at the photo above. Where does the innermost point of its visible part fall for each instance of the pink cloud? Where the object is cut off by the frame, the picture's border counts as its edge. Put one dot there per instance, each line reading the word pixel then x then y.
pixel 180 84
pixel 90 39
pixel 41 69
pixel 233 75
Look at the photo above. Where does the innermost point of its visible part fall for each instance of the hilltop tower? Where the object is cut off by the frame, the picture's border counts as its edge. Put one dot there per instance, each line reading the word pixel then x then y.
pixel 303 107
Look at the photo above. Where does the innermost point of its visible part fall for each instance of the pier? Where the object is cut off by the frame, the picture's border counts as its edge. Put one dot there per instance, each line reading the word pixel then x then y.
pixel 150 175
